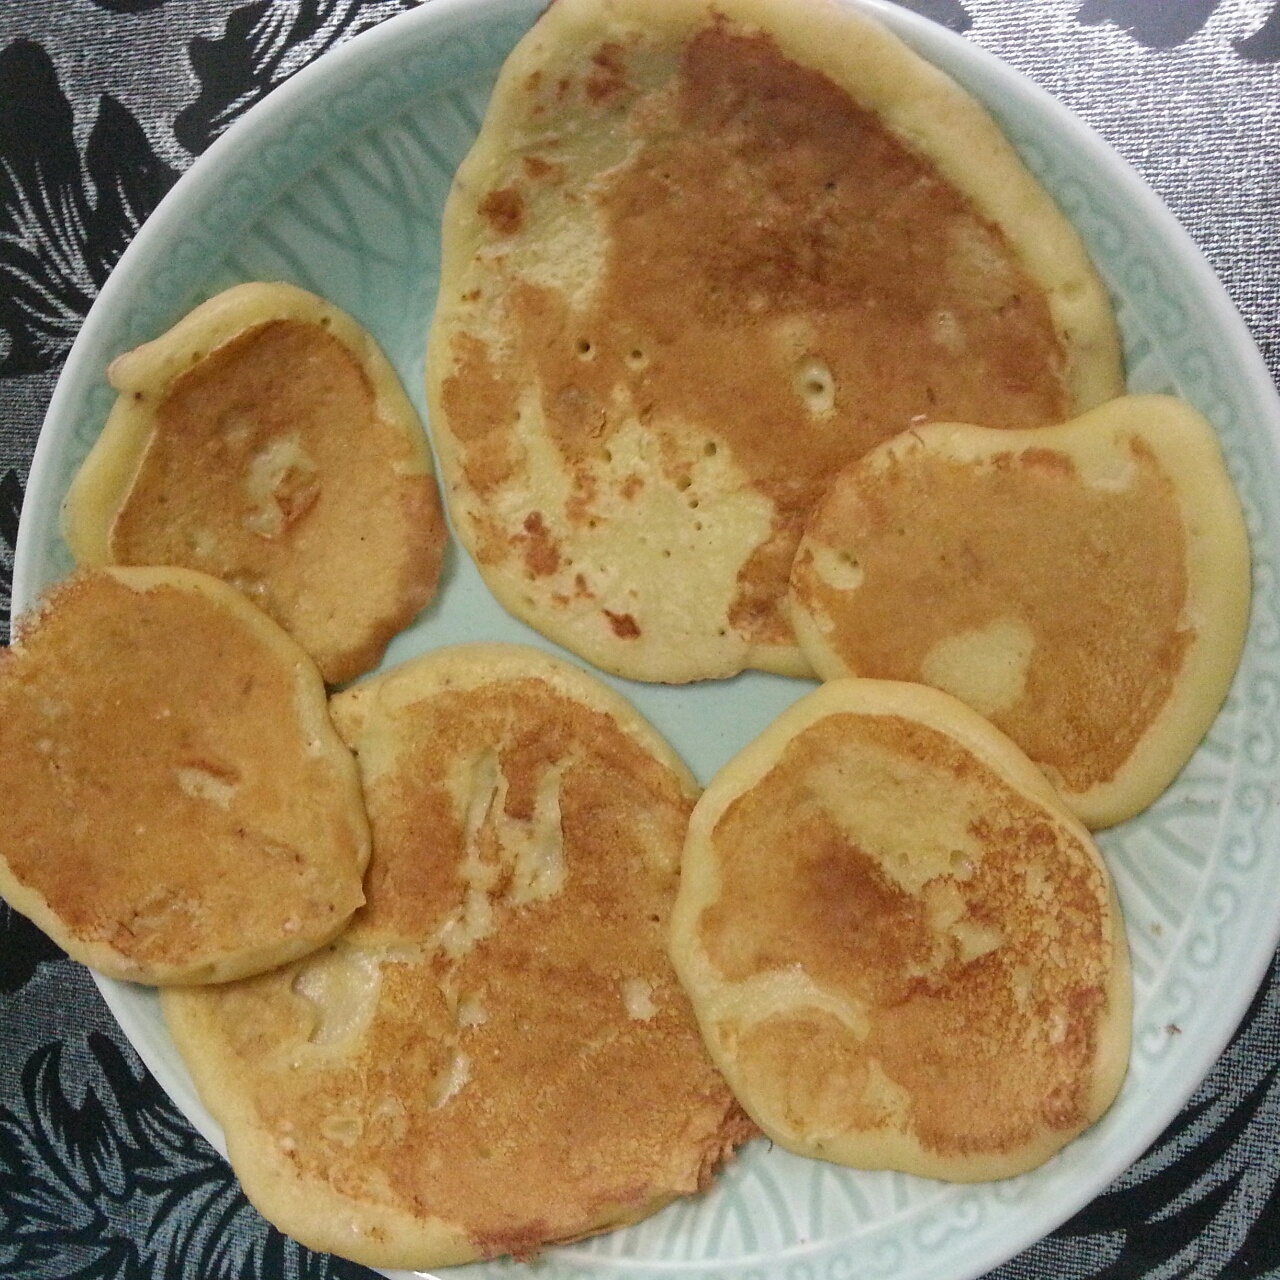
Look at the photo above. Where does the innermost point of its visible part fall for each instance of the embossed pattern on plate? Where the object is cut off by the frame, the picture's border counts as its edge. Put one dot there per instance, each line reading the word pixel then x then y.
pixel 336 182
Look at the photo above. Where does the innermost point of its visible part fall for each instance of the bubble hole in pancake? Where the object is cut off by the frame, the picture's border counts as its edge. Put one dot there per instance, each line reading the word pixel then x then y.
pixel 1086 587
pixel 265 439
pixel 497 1055
pixel 178 807
pixel 701 257
pixel 904 952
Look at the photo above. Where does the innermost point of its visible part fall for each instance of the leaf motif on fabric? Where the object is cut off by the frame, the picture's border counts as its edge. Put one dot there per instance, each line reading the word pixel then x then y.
pixel 950 13
pixel 128 6
pixel 23 948
pixel 10 509
pixel 262 45
pixel 118 1184
pixel 63 222
pixel 129 181
pixel 1157 24
pixel 1264 44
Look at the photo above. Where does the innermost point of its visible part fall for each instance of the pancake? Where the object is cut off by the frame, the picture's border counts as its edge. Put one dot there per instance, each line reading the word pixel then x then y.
pixel 265 439
pixel 178 807
pixel 702 256
pixel 1085 587
pixel 497 1055
pixel 903 951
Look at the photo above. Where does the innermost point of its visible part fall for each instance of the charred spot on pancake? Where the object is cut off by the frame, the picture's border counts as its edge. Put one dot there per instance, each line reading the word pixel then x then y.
pixel 539 168
pixel 608 82
pixel 504 209
pixel 541 550
pixel 623 625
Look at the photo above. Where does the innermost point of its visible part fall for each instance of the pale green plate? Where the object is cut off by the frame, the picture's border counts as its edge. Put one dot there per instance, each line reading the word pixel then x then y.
pixel 336 182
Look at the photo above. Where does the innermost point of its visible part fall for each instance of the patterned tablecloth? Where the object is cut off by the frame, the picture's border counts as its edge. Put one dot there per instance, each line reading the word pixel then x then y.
pixel 103 103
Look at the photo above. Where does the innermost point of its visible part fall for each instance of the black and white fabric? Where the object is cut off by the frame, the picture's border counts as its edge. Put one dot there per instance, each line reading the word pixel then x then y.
pixel 103 103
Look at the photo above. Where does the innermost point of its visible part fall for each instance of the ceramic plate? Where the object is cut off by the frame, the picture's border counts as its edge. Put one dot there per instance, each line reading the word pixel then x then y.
pixel 336 182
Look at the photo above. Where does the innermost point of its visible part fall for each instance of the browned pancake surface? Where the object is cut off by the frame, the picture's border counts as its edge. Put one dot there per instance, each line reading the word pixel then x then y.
pixel 903 950
pixel 270 467
pixel 773 199
pixel 692 268
pixel 1098 577
pixel 982 1006
pixel 1084 586
pixel 177 807
pixel 530 1071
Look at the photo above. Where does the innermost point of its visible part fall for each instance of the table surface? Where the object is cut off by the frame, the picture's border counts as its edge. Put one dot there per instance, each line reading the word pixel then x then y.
pixel 103 103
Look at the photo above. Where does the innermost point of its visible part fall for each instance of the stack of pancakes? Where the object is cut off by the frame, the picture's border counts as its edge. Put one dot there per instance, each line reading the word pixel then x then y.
pixel 756 346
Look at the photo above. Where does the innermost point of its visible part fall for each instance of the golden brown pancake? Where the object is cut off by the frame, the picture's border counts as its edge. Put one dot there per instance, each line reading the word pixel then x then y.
pixel 702 256
pixel 1085 587
pixel 497 1055
pixel 903 950
pixel 178 807
pixel 265 439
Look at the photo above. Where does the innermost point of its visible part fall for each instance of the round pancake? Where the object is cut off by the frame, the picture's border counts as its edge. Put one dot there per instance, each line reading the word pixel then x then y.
pixel 497 1055
pixel 1085 587
pixel 265 439
pixel 903 951
pixel 178 807
pixel 701 257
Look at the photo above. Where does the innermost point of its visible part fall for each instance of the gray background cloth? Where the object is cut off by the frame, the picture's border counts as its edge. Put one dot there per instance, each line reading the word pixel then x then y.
pixel 103 103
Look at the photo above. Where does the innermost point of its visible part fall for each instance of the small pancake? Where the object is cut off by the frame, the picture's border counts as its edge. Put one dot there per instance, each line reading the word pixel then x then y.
pixel 1085 587
pixel 497 1056
pixel 903 951
pixel 178 807
pixel 266 440
pixel 702 255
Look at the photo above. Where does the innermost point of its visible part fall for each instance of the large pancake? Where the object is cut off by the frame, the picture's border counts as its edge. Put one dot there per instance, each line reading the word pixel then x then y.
pixel 497 1055
pixel 903 951
pixel 701 256
pixel 178 807
pixel 1085 587
pixel 265 439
